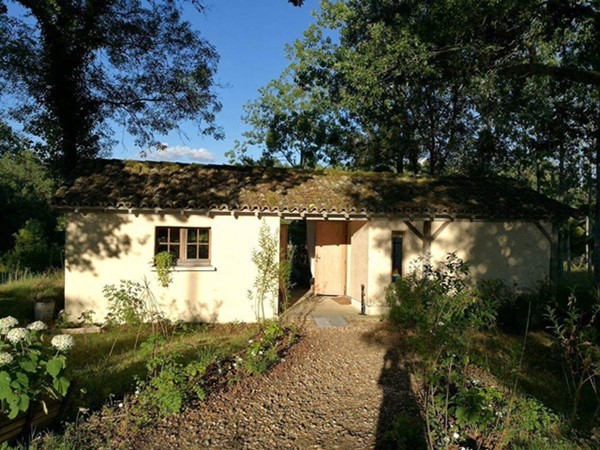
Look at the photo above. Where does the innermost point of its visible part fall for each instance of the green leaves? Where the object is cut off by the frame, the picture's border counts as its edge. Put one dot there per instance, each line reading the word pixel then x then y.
pixel 13 393
pixel 55 366
pixel 156 72
pixel 34 374
pixel 61 385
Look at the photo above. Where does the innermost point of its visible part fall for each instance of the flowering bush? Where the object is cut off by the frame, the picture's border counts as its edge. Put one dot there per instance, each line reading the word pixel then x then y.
pixel 30 370
pixel 37 326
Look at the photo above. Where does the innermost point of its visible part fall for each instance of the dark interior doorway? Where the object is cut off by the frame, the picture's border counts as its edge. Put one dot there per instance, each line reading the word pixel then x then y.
pixel 301 275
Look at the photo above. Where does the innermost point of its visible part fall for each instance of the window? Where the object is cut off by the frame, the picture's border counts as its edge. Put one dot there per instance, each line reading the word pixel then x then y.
pixel 396 255
pixel 187 245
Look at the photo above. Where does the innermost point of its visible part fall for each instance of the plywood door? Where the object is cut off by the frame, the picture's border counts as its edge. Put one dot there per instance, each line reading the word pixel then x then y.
pixel 330 258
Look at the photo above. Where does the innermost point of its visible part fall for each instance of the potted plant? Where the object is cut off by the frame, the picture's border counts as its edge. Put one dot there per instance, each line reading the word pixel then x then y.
pixel 32 377
pixel 43 305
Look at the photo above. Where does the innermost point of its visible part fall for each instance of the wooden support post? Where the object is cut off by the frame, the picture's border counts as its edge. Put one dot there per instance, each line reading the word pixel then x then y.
pixel 555 261
pixel 427 236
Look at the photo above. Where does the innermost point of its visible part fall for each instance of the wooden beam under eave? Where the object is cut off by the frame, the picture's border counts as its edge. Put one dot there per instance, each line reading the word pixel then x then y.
pixel 414 229
pixel 543 231
pixel 439 230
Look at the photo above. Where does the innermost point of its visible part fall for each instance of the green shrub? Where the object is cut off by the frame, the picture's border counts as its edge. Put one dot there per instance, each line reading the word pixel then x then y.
pixel 517 309
pixel 127 304
pixel 165 391
pixel 530 418
pixel 32 250
pixel 170 384
pixel 406 433
pixel 444 312
pixel 575 338
pixel 263 352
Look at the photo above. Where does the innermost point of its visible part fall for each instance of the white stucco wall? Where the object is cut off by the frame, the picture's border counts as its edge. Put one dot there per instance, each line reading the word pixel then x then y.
pixel 514 251
pixel 103 248
pixel 380 256
pixel 358 258
pixel 517 252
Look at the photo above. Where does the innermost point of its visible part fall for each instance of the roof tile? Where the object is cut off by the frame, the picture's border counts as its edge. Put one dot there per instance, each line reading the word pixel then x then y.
pixel 136 184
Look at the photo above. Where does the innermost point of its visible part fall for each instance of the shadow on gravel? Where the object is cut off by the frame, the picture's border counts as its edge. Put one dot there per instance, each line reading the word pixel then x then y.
pixel 400 425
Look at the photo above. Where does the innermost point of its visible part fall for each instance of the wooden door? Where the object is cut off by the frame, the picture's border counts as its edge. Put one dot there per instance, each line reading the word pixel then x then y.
pixel 330 258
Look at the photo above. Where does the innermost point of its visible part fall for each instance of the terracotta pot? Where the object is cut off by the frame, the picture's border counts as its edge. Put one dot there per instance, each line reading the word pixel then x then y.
pixel 33 420
pixel 43 311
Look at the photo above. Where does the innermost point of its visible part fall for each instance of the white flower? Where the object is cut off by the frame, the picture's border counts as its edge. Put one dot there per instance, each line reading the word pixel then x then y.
pixel 120 405
pixel 456 435
pixel 37 326
pixel 17 335
pixel 6 323
pixel 5 358
pixel 441 324
pixel 62 342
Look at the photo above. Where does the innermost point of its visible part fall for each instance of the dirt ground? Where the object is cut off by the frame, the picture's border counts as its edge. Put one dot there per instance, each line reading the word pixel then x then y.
pixel 337 388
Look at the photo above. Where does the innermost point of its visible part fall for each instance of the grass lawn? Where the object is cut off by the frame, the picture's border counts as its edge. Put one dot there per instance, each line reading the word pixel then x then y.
pixel 16 297
pixel 540 375
pixel 107 364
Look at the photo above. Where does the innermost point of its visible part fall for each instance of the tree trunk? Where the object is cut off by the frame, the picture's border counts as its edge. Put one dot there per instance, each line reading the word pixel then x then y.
pixel 400 163
pixel 596 226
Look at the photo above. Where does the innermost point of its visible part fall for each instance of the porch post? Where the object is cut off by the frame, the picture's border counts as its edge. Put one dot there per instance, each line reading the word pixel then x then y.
pixel 555 260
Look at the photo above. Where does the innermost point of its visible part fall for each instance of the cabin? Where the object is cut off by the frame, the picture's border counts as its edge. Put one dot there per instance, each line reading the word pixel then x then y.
pixel 361 231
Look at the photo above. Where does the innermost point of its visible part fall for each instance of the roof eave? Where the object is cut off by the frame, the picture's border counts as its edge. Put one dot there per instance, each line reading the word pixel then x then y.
pixel 310 214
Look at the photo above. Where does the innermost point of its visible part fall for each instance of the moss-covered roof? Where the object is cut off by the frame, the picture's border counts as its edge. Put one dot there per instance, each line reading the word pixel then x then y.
pixel 194 187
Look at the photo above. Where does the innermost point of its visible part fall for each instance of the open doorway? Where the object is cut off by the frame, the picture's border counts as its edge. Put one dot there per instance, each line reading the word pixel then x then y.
pixel 294 238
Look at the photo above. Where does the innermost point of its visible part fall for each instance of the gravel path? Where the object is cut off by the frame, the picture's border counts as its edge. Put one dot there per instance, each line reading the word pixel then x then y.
pixel 337 388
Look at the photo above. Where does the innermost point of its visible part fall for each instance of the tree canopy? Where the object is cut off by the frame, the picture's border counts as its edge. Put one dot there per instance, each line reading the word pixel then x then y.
pixel 445 86
pixel 73 69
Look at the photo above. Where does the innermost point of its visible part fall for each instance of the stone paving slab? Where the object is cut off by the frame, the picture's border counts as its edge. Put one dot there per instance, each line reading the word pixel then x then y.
pixel 322 322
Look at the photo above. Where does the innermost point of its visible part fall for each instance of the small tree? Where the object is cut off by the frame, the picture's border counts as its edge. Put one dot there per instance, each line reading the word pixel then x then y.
pixel 266 260
pixel 286 266
pixel 574 334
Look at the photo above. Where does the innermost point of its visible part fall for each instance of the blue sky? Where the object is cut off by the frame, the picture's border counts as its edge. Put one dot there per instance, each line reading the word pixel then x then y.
pixel 249 36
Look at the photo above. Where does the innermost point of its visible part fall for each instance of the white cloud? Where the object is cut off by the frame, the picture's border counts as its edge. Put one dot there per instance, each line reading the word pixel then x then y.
pixel 181 153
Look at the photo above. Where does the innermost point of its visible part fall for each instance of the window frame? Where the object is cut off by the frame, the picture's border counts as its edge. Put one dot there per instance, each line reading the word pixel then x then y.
pixel 182 260
pixel 400 274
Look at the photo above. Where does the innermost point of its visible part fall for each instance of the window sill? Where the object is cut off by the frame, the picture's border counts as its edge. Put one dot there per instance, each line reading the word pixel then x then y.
pixel 192 268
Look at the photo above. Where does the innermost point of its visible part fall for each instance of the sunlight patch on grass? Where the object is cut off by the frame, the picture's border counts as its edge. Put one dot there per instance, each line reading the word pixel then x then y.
pixel 16 297
pixel 107 364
